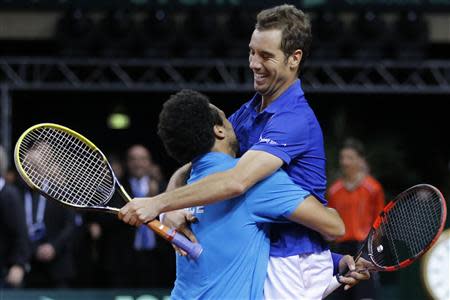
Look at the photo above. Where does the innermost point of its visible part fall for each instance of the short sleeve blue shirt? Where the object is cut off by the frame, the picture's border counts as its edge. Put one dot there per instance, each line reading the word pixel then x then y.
pixel 288 129
pixel 234 236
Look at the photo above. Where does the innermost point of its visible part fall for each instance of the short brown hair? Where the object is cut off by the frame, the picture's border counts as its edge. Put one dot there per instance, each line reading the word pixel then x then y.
pixel 294 24
pixel 354 144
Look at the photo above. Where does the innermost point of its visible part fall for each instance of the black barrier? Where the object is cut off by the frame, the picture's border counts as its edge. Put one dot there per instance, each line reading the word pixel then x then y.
pixel 423 5
pixel 72 294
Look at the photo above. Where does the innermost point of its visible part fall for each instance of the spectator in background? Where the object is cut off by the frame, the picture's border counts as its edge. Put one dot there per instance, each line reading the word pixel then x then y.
pixel 359 198
pixel 117 166
pixel 96 250
pixel 107 245
pixel 10 176
pixel 14 244
pixel 141 181
pixel 157 175
pixel 128 257
pixel 51 229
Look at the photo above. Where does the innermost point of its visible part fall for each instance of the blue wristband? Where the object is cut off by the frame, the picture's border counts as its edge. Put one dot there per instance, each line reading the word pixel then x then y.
pixel 336 257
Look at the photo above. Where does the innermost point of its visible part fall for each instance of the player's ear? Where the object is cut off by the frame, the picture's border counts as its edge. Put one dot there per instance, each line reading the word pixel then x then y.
pixel 295 59
pixel 219 132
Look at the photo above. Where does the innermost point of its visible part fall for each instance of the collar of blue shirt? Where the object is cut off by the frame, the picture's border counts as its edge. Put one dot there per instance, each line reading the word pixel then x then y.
pixel 294 91
pixel 210 158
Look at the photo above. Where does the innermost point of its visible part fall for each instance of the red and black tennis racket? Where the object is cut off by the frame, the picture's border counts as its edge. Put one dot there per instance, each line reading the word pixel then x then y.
pixel 406 228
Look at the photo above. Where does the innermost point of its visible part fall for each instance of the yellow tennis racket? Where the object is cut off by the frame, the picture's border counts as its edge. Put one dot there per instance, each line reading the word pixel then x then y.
pixel 65 166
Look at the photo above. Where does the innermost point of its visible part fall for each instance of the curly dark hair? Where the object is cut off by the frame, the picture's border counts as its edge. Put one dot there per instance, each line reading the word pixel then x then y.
pixel 186 125
pixel 295 28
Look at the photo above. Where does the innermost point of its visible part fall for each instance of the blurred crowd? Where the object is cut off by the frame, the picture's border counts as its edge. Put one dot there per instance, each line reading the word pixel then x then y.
pixel 45 245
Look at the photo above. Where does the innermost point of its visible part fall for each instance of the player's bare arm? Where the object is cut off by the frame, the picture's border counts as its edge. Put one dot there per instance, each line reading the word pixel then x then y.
pixel 251 168
pixel 179 178
pixel 326 221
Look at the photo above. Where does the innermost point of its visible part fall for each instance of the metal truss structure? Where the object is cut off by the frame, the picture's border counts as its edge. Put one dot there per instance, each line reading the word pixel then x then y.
pixel 208 75
pixel 214 75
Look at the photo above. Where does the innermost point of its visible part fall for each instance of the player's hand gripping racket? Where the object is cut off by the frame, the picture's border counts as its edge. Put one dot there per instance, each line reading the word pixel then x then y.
pixel 65 166
pixel 405 229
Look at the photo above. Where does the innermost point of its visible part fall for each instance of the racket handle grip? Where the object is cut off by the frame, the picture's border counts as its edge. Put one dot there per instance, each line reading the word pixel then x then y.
pixel 192 249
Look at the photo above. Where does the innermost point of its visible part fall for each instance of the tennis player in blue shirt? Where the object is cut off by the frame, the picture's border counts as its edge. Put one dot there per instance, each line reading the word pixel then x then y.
pixel 233 233
pixel 276 129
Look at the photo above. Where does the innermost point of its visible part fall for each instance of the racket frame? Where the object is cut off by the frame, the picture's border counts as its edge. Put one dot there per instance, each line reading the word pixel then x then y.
pixel 335 283
pixel 379 220
pixel 170 234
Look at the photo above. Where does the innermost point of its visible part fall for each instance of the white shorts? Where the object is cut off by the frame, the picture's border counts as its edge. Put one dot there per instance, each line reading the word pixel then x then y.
pixel 303 277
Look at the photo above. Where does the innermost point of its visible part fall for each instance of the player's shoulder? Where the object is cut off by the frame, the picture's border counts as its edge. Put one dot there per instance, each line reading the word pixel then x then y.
pixel 280 175
pixel 278 180
pixel 210 166
pixel 241 113
pixel 297 113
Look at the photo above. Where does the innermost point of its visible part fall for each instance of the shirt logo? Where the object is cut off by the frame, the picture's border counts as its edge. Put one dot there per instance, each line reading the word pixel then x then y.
pixel 196 210
pixel 269 141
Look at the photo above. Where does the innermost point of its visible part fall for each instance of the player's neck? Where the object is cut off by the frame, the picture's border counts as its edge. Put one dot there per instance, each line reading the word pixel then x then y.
pixel 353 180
pixel 266 100
pixel 221 146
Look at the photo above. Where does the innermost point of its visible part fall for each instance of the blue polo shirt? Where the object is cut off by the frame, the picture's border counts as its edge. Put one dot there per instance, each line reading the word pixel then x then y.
pixel 234 235
pixel 288 129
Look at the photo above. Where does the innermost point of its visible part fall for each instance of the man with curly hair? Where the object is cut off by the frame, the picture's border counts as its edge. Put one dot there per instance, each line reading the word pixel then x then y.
pixel 233 233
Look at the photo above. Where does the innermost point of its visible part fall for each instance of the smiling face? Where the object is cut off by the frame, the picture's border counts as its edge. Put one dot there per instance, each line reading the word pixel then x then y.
pixel 138 161
pixel 273 72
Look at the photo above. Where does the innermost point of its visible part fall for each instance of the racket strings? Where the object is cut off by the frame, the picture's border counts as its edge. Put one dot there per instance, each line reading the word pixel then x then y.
pixel 39 175
pixel 57 155
pixel 408 227
pixel 79 151
pixel 48 159
pixel 71 170
pixel 66 168
pixel 93 164
pixel 422 226
pixel 428 213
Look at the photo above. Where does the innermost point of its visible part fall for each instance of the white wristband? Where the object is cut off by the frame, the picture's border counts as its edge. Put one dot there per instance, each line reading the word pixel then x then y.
pixel 161 217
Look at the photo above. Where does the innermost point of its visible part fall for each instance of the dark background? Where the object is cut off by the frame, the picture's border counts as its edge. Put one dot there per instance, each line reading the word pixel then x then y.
pixel 304 4
pixel 405 135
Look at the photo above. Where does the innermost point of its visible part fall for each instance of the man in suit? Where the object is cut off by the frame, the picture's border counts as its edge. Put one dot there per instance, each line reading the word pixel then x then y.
pixel 51 229
pixel 14 246
pixel 148 249
pixel 139 250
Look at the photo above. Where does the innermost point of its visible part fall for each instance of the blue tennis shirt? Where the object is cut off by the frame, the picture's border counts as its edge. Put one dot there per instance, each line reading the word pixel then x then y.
pixel 234 235
pixel 288 129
